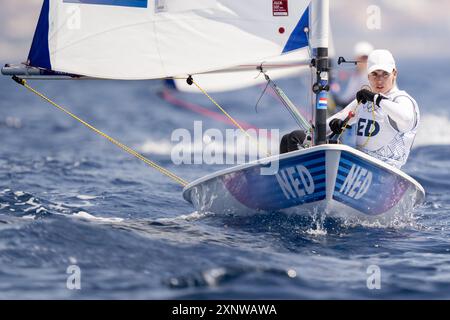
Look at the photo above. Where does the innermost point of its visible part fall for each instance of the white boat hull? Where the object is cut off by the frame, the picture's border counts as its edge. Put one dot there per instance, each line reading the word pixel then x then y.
pixel 335 179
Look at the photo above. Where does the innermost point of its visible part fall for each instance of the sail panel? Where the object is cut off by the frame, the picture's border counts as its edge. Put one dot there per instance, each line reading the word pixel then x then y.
pixel 286 65
pixel 124 39
pixel 299 38
pixel 39 53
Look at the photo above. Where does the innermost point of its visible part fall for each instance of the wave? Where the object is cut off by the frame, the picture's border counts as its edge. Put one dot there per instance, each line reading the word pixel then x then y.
pixel 29 207
pixel 433 130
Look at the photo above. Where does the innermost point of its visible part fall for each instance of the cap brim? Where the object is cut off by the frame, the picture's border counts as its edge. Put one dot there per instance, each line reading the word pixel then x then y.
pixel 380 67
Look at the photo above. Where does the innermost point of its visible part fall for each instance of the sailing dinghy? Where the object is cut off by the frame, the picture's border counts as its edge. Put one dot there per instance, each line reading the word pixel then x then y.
pixel 181 39
pixel 336 179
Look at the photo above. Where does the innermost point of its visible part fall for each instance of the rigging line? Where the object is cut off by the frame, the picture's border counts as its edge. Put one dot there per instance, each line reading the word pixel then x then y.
pixel 261 71
pixel 371 131
pixel 112 140
pixel 167 95
pixel 274 95
pixel 260 97
pixel 292 109
pixel 373 123
pixel 345 124
pixel 373 119
pixel 190 79
pixel 306 31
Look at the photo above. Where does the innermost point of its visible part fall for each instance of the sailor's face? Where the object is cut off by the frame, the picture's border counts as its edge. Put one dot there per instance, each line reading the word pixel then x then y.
pixel 381 81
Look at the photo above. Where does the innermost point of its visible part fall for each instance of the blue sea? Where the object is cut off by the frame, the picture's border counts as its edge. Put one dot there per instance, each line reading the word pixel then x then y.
pixel 70 200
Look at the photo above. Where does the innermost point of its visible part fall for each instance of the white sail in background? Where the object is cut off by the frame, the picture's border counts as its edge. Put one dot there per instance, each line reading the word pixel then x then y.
pixel 148 39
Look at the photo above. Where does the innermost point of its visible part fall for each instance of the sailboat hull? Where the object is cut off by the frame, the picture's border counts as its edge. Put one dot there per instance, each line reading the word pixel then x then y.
pixel 335 179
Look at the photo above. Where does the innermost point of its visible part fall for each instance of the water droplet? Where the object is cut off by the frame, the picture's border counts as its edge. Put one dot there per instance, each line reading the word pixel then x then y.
pixel 291 273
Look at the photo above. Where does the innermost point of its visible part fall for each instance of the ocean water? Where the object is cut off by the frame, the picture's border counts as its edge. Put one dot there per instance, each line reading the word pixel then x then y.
pixel 69 198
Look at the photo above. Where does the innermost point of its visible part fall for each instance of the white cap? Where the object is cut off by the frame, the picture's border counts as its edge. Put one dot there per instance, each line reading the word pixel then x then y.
pixel 362 48
pixel 380 60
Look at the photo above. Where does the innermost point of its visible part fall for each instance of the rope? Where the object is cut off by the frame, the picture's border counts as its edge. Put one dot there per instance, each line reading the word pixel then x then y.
pixel 345 124
pixel 190 79
pixel 260 97
pixel 370 131
pixel 117 143
pixel 373 123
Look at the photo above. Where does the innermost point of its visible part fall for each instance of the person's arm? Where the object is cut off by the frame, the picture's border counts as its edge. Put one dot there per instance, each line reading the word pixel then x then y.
pixel 342 115
pixel 401 112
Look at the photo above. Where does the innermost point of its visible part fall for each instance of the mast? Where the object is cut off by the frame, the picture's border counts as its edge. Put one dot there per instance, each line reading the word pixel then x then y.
pixel 320 20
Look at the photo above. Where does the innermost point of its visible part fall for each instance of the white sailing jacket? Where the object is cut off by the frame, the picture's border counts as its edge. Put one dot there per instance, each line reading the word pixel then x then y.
pixel 393 124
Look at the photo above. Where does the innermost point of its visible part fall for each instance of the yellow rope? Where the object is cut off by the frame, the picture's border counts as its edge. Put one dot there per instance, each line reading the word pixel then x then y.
pixel 117 143
pixel 226 114
pixel 373 123
pixel 370 131
pixel 345 124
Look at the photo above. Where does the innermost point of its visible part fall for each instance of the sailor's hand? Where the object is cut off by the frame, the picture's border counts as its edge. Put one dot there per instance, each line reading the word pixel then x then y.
pixel 378 99
pixel 336 125
pixel 364 95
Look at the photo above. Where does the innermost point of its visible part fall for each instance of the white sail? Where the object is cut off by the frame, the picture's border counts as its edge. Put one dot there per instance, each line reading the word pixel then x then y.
pixel 148 39
pixel 290 64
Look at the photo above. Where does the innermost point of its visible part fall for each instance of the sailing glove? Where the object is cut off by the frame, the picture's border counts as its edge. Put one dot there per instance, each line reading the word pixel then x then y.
pixel 336 125
pixel 364 95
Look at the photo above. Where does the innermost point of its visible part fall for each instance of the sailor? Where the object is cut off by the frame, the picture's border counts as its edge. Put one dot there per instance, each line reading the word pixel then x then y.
pixel 385 118
pixel 345 84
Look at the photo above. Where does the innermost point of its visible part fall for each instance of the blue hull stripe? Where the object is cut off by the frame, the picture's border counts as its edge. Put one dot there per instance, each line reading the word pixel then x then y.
pixel 316 170
pixel 314 161
pixel 305 159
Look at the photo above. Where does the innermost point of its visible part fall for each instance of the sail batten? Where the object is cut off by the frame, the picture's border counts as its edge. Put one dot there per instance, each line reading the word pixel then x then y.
pixel 137 39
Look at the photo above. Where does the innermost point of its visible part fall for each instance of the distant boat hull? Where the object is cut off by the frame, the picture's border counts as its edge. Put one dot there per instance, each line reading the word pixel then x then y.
pixel 335 179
